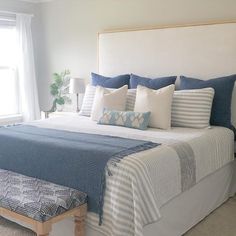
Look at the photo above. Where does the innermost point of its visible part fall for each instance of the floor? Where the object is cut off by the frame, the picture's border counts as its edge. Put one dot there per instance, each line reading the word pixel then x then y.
pixel 8 228
pixel 222 222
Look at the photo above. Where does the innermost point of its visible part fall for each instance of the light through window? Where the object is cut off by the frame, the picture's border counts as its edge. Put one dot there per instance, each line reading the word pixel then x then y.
pixel 8 72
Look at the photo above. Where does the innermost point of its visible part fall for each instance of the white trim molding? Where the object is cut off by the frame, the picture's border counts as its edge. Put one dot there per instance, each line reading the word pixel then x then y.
pixel 11 119
pixel 36 1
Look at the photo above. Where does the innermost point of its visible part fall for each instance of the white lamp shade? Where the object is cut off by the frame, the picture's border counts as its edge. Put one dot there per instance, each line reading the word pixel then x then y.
pixel 77 85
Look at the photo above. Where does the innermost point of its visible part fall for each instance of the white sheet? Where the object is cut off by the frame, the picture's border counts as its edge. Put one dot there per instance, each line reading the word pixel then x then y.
pixel 213 148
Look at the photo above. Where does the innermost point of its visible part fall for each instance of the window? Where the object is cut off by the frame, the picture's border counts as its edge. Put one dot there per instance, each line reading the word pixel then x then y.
pixel 9 89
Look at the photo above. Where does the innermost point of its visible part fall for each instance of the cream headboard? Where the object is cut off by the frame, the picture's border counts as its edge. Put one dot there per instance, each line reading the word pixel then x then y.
pixel 201 51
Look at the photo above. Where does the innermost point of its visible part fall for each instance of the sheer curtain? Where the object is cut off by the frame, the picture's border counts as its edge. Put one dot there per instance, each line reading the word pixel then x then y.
pixel 29 105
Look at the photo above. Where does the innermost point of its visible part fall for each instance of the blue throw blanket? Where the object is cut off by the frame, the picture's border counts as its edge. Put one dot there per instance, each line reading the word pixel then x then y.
pixel 75 160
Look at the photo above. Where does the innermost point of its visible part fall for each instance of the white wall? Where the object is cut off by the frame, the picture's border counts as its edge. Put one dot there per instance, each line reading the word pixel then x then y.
pixel 67 30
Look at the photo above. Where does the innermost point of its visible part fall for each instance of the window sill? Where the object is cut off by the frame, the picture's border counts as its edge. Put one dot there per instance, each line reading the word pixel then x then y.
pixel 11 119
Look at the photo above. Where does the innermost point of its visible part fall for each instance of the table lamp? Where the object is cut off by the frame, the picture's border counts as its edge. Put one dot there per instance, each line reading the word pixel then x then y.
pixel 77 86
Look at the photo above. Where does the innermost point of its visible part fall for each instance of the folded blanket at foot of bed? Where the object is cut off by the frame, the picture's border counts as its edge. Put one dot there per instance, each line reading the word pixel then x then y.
pixel 76 160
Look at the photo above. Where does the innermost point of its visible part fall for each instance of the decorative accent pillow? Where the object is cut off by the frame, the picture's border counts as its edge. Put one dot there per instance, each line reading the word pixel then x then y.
pixel 130 119
pixel 130 101
pixel 158 102
pixel 87 104
pixel 192 108
pixel 105 98
pixel 110 82
pixel 157 83
pixel 89 98
pixel 221 107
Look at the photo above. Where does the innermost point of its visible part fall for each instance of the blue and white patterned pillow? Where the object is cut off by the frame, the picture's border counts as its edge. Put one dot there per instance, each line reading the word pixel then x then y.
pixel 130 119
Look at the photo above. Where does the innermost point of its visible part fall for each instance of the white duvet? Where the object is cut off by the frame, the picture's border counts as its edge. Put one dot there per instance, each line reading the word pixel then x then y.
pixel 147 180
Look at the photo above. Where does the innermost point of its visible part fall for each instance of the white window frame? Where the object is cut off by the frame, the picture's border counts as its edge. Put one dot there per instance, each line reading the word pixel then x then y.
pixel 10 22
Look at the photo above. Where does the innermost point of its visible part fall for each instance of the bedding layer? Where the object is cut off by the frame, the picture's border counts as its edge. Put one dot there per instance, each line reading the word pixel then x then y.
pixel 72 159
pixel 184 158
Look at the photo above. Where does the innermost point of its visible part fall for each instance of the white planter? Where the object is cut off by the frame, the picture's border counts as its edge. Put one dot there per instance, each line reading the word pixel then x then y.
pixel 60 107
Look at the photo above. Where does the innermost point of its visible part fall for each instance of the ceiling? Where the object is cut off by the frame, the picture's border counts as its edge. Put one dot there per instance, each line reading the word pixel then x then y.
pixel 35 1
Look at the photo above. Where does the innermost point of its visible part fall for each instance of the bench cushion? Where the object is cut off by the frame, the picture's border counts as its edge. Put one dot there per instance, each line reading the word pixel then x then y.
pixel 35 198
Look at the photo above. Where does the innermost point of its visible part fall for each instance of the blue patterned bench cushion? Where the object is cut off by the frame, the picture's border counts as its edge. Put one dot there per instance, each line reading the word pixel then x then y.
pixel 35 198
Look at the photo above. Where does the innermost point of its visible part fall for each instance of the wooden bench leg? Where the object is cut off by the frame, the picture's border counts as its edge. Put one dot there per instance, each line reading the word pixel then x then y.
pixel 43 229
pixel 80 216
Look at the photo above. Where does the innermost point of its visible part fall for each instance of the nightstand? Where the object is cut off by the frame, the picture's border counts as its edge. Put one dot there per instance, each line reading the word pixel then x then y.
pixel 46 114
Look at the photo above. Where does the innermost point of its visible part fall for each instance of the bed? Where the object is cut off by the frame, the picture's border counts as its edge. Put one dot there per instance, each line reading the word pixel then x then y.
pixel 168 189
pixel 214 167
pixel 200 50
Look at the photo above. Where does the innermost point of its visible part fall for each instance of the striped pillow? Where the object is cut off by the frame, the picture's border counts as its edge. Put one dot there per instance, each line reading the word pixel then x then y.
pixel 87 101
pixel 130 99
pixel 89 95
pixel 192 108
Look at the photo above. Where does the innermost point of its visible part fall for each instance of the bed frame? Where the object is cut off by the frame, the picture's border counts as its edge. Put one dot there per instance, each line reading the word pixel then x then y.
pixel 198 50
pixel 189 208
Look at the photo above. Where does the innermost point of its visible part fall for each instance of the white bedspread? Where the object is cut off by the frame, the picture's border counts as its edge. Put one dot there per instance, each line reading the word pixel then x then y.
pixel 147 180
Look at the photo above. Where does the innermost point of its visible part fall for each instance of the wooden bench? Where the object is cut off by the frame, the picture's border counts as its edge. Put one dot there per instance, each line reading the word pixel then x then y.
pixel 39 203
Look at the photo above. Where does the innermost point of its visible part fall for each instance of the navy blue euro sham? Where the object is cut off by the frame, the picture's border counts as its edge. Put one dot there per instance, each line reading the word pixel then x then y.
pixel 221 107
pixel 156 83
pixel 110 82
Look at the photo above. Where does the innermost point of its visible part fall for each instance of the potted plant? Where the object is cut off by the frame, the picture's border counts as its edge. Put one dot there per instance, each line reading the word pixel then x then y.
pixel 59 90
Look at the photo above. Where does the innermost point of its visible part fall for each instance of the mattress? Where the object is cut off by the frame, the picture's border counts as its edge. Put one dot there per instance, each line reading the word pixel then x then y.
pixel 184 157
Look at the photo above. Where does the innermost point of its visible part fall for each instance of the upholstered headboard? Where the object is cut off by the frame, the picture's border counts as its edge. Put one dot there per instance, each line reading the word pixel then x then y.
pixel 201 51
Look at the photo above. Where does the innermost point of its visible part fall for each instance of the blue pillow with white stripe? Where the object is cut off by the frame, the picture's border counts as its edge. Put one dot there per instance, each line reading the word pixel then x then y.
pixel 110 82
pixel 221 107
pixel 129 119
pixel 156 83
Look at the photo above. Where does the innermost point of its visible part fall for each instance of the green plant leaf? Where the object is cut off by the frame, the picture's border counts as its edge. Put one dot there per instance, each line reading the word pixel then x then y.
pixel 60 101
pixel 58 80
pixel 54 89
pixel 60 86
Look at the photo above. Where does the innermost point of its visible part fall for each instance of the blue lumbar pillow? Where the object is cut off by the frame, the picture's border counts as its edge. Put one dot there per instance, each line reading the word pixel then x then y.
pixel 110 82
pixel 221 107
pixel 130 119
pixel 157 83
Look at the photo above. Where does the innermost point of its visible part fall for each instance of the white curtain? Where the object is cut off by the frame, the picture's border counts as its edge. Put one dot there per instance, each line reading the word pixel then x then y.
pixel 29 104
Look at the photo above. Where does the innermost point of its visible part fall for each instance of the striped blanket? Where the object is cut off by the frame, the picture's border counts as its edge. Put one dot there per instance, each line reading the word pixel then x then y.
pixel 130 202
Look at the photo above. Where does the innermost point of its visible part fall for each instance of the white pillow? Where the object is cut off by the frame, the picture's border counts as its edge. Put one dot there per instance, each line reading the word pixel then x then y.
pixel 192 108
pixel 89 98
pixel 112 100
pixel 158 102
